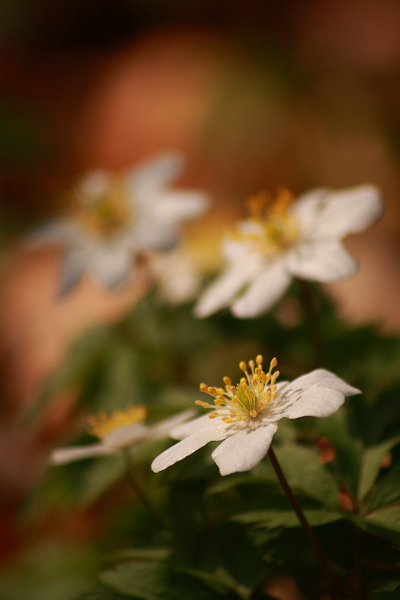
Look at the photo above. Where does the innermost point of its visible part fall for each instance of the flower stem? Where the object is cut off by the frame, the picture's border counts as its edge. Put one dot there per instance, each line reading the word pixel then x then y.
pixel 340 593
pixel 138 487
pixel 310 315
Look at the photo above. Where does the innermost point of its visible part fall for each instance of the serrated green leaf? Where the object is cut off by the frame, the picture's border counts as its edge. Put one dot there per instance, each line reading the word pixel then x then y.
pixel 384 522
pixel 285 518
pixel 148 554
pixel 305 473
pixel 387 492
pixel 220 580
pixel 371 463
pixel 140 579
pixel 387 594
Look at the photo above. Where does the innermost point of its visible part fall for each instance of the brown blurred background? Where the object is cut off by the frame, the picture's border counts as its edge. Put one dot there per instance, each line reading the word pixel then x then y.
pixel 256 94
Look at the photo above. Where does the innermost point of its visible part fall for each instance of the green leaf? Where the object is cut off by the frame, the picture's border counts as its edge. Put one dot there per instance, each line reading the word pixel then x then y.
pixel 142 579
pixel 220 580
pixel 384 522
pixel 305 473
pixel 347 447
pixel 286 518
pixel 387 594
pixel 371 463
pixel 387 492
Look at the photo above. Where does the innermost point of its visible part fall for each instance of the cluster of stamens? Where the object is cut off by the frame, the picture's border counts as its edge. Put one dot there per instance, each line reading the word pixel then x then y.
pixel 107 212
pixel 104 424
pixel 248 398
pixel 276 227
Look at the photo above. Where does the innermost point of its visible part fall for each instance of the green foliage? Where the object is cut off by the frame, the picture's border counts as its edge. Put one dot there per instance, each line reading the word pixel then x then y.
pixel 227 536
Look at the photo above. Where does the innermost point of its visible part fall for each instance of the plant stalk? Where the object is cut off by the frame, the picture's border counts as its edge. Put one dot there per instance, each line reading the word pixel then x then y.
pixel 310 315
pixel 306 526
pixel 139 489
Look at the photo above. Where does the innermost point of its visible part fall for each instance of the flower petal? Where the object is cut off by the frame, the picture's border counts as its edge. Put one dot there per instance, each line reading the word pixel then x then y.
pixel 111 267
pixel 153 174
pixel 182 431
pixel 223 290
pixel 125 436
pixel 347 211
pixel 215 432
pixel 66 455
pixel 321 260
pixel 180 205
pixel 244 450
pixel 317 394
pixel 72 269
pixel 264 292
pixel 164 428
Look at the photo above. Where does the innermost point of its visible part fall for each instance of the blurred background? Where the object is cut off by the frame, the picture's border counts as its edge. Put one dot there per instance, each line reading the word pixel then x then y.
pixel 255 94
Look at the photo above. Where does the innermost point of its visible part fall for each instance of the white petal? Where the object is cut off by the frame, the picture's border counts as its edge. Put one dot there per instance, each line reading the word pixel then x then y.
pixel 182 431
pixel 347 211
pixel 317 394
pixel 66 455
pixel 322 260
pixel 72 269
pixel 323 378
pixel 224 289
pixel 164 428
pixel 93 185
pixel 111 267
pixel 244 450
pixel 154 173
pixel 53 231
pixel 216 432
pixel 126 436
pixel 264 292
pixel 307 208
pixel 179 206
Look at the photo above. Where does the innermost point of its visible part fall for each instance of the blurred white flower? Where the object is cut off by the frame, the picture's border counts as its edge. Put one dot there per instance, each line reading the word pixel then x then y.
pixel 283 239
pixel 122 429
pixel 177 276
pixel 246 416
pixel 117 217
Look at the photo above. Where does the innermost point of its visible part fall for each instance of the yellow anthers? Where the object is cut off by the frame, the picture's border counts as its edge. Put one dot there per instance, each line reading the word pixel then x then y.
pixel 107 213
pixel 248 398
pixel 104 424
pixel 274 228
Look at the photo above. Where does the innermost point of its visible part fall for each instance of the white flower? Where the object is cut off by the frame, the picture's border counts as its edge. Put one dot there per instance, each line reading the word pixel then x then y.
pixel 122 429
pixel 246 416
pixel 178 279
pixel 118 216
pixel 284 239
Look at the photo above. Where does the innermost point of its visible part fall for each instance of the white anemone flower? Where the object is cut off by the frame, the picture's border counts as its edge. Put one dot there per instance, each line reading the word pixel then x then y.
pixel 245 417
pixel 119 216
pixel 283 239
pixel 120 430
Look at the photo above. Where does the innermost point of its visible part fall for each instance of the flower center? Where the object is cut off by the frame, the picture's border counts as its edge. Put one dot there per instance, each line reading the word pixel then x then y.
pixel 106 211
pixel 248 398
pixel 104 424
pixel 272 227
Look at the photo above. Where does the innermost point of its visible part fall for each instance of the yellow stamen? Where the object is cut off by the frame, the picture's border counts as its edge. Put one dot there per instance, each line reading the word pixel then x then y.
pixel 104 424
pixel 249 398
pixel 275 227
pixel 105 214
